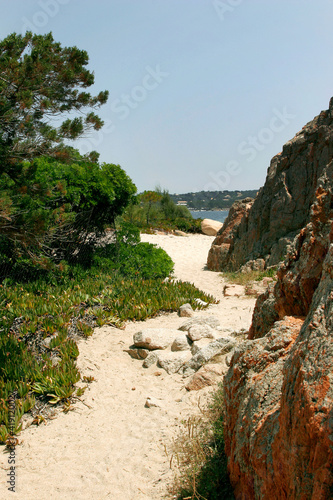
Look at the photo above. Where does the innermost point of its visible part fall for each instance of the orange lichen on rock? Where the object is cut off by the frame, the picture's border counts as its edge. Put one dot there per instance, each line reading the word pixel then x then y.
pixel 279 387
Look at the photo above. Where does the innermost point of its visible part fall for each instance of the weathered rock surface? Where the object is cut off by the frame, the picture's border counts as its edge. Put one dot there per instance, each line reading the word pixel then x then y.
pixel 154 338
pixel 207 353
pixel 208 320
pixel 197 332
pixel 266 229
pixel 207 375
pixel 210 227
pixel 279 387
pixel 199 344
pixel 222 246
pixel 299 276
pixel 253 388
pixel 181 343
pixel 150 360
pixel 171 362
pixel 186 311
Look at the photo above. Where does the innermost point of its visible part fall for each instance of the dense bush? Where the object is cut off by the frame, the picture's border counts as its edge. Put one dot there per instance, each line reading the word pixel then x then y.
pixel 146 261
pixel 132 258
pixel 57 212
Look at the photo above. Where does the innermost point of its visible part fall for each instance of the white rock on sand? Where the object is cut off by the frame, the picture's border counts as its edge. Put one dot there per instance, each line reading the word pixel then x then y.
pixel 113 447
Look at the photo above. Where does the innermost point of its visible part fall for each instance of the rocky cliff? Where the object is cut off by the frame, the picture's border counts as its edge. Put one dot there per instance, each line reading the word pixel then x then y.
pixel 266 228
pixel 279 387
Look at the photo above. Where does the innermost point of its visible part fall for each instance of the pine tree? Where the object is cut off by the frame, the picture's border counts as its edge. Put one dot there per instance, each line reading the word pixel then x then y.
pixel 42 83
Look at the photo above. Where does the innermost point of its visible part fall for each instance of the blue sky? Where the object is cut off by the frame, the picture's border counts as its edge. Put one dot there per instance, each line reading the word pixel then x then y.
pixel 202 92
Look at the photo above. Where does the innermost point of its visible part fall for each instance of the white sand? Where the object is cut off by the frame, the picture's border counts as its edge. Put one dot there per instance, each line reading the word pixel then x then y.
pixel 116 449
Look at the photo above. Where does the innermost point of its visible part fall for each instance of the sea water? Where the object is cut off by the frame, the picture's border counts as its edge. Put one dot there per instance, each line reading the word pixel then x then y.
pixel 219 215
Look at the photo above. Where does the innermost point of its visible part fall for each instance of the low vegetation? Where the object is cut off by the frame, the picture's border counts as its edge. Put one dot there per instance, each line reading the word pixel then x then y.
pixel 42 319
pixel 198 456
pixel 246 278
pixel 156 210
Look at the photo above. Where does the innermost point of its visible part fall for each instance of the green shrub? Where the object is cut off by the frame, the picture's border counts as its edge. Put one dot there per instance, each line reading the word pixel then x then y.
pixel 146 261
pixel 133 259
pixel 156 209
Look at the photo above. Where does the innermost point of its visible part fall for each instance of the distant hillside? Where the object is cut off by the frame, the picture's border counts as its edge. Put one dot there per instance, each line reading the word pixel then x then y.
pixel 212 200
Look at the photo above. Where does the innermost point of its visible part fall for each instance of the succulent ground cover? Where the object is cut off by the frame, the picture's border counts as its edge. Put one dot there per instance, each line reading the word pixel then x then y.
pixel 41 322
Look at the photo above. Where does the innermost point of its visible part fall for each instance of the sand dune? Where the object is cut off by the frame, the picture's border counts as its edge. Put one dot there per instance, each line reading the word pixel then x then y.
pixel 114 448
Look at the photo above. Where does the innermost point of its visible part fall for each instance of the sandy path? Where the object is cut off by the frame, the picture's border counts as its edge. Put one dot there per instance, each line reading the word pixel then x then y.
pixel 116 448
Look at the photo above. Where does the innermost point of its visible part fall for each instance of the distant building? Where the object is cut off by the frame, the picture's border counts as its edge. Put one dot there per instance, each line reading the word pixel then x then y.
pixel 182 203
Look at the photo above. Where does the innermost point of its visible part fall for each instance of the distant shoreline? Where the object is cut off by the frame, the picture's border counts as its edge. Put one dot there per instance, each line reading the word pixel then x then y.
pixel 208 209
pixel 219 215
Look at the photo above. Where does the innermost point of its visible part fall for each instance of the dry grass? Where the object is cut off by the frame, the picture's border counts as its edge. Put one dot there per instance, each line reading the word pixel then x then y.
pixel 198 457
pixel 245 279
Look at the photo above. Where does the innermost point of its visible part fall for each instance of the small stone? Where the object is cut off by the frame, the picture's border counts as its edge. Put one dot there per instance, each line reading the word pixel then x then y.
pixel 208 320
pixel 55 361
pixel 133 352
pixel 199 344
pixel 150 360
pixel 172 362
pixel 143 353
pixel 47 341
pixel 154 338
pixel 186 311
pixel 207 375
pixel 153 402
pixel 197 332
pixel 233 290
pixel 181 343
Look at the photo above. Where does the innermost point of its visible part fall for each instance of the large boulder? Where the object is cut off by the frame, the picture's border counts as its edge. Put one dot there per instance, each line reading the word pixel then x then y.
pixel 266 228
pixel 210 227
pixel 279 404
pixel 279 387
pixel 219 253
pixel 300 274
